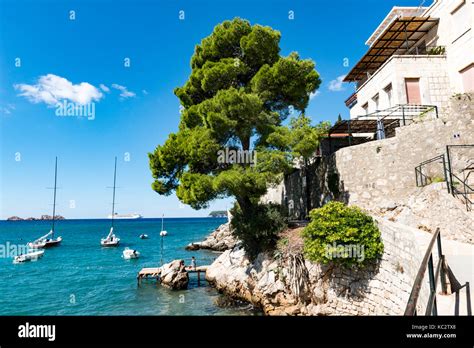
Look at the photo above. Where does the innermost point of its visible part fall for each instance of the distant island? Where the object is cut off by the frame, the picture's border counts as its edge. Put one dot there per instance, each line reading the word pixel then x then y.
pixel 218 214
pixel 43 217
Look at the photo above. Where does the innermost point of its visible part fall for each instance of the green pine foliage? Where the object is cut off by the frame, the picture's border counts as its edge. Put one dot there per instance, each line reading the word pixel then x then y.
pixel 239 93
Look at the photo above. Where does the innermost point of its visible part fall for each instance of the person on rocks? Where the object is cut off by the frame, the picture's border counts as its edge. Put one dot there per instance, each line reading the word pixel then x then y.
pixel 193 262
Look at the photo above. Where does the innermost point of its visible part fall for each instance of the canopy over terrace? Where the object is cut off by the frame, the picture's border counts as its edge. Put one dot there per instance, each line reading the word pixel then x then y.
pixel 362 128
pixel 398 38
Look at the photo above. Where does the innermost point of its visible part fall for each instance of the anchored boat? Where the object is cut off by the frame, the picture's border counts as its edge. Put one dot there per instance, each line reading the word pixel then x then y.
pixel 112 240
pixel 30 256
pixel 48 239
pixel 163 232
pixel 128 254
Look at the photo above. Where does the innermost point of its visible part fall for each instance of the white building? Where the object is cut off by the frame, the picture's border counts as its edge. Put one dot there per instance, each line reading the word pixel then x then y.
pixel 417 56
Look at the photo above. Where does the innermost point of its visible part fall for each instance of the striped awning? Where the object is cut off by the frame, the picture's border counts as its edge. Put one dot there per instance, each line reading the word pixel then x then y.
pixel 399 37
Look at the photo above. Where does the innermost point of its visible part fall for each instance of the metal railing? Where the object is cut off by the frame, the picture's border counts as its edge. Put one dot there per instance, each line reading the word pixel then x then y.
pixel 465 190
pixel 455 185
pixel 402 52
pixel 400 112
pixel 421 178
pixel 434 274
pixel 468 299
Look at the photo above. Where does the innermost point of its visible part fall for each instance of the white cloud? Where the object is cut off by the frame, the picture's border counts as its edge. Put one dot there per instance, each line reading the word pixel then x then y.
pixel 124 92
pixel 104 88
pixel 51 89
pixel 145 92
pixel 313 95
pixel 336 85
pixel 7 109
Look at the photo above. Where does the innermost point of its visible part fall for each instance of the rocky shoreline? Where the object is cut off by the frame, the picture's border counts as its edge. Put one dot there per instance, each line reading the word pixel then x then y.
pixel 220 239
pixel 285 283
pixel 43 217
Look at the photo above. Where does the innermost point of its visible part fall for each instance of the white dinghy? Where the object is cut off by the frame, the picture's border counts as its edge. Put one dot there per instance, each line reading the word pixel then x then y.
pixel 32 255
pixel 130 254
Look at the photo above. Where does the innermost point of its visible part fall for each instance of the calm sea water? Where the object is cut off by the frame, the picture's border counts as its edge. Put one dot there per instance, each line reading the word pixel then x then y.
pixel 79 277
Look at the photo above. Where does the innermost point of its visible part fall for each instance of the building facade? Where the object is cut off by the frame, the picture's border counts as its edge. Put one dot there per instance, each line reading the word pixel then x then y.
pixel 417 56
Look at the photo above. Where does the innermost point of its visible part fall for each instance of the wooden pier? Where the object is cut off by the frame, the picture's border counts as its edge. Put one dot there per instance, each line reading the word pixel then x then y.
pixel 155 273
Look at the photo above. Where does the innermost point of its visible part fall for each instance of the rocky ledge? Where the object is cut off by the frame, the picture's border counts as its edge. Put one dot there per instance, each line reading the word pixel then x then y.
pixel 219 240
pixel 174 275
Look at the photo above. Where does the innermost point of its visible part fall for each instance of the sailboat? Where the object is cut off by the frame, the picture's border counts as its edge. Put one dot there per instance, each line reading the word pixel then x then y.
pixel 163 232
pixel 112 240
pixel 48 239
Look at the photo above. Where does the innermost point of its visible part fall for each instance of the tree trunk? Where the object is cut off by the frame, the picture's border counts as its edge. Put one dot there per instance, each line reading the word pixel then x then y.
pixel 245 205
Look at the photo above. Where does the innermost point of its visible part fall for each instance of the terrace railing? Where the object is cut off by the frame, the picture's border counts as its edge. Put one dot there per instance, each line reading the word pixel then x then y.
pixel 405 113
pixel 403 52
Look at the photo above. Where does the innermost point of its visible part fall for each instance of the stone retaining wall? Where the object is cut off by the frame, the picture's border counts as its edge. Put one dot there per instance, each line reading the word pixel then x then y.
pixel 383 171
pixel 382 289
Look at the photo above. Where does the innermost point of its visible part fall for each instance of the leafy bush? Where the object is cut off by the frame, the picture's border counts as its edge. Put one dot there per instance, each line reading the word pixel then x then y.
pixel 259 231
pixel 342 235
pixel 437 179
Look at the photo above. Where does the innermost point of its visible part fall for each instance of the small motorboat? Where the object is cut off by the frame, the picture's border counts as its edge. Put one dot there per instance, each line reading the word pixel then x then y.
pixel 130 254
pixel 30 256
pixel 144 236
pixel 163 233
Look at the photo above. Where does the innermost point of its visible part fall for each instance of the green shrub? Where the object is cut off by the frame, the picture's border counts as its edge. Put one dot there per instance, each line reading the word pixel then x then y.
pixel 258 231
pixel 437 179
pixel 342 235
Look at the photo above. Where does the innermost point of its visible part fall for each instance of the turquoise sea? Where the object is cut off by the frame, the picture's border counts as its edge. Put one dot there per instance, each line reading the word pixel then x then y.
pixel 79 277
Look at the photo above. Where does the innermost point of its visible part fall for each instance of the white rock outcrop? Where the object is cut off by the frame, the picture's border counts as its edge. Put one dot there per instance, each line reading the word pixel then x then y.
pixel 220 240
pixel 174 275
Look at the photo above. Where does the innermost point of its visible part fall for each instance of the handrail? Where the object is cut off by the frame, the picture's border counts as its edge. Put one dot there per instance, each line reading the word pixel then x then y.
pixel 423 180
pixel 433 278
pixel 468 190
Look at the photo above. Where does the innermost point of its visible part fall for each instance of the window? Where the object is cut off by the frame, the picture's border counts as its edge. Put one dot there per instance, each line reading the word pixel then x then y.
pixel 460 19
pixel 412 86
pixel 468 78
pixel 388 92
pixel 366 108
pixel 375 99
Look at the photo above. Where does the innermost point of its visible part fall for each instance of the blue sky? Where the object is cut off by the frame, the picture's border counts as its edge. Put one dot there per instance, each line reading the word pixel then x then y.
pixel 139 113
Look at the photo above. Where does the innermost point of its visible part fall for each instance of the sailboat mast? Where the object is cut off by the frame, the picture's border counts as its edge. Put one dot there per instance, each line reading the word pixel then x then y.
pixel 54 199
pixel 162 217
pixel 113 196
